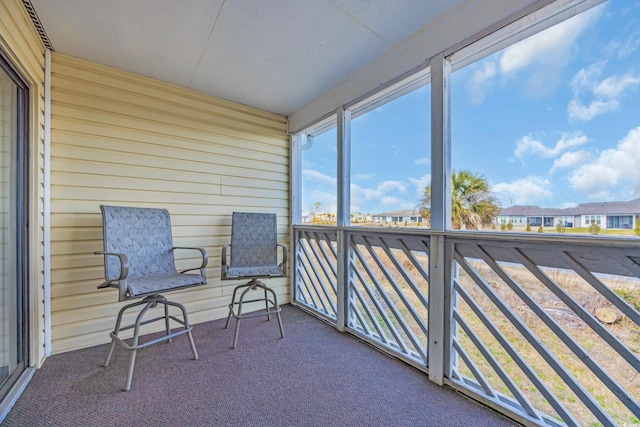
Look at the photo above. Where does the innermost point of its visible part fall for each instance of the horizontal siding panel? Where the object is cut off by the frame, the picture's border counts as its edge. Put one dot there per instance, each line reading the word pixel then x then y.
pixel 124 83
pixel 205 294
pixel 96 122
pixel 84 207
pixel 184 259
pixel 114 159
pixel 121 139
pixel 74 247
pixel 141 105
pixel 112 196
pixel 206 141
pixel 68 179
pixel 103 169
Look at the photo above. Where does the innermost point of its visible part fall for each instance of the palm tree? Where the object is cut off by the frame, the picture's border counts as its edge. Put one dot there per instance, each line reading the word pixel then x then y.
pixel 316 205
pixel 472 204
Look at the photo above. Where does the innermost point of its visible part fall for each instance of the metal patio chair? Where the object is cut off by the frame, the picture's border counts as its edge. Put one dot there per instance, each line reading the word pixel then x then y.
pixel 139 263
pixel 253 255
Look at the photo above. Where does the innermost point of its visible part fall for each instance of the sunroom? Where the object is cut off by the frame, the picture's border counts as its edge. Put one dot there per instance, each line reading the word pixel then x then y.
pixel 345 109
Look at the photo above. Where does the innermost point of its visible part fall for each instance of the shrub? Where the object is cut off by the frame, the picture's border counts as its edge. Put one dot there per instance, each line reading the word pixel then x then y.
pixel 528 227
pixel 594 228
pixel 509 226
pixel 560 227
pixel 540 229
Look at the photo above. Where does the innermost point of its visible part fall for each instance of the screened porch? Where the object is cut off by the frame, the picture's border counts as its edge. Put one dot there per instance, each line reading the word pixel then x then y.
pixel 214 107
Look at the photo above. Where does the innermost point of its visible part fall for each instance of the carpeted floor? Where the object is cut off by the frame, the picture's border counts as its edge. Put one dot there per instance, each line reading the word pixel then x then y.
pixel 315 376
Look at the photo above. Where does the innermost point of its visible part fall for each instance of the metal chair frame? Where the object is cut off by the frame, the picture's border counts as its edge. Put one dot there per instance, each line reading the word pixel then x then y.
pixel 149 301
pixel 254 284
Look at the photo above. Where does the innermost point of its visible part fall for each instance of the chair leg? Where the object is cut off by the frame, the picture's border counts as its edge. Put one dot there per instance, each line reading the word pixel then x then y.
pixel 107 359
pixel 235 333
pixel 134 344
pixel 280 325
pixel 187 325
pixel 132 362
pixel 149 302
pixel 116 331
pixel 226 325
pixel 167 327
pixel 233 302
pixel 277 307
pixel 238 315
pixel 266 304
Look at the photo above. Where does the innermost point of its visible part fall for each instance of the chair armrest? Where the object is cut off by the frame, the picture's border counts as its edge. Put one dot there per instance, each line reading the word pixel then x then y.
pixel 205 260
pixel 223 261
pixel 124 266
pixel 283 265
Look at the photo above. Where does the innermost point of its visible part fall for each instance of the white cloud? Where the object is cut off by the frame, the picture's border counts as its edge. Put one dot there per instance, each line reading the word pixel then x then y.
pixel 527 144
pixel 584 113
pixel 319 176
pixel 545 54
pixel 391 186
pixel 629 46
pixel 363 176
pixel 570 159
pixel 480 82
pixel 613 169
pixel 328 201
pixel 397 203
pixel 614 86
pixel 420 184
pixel 422 161
pixel 604 93
pixel 383 194
pixel 525 191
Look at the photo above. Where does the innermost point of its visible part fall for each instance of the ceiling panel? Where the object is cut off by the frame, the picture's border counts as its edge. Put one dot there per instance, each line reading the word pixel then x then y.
pixel 276 55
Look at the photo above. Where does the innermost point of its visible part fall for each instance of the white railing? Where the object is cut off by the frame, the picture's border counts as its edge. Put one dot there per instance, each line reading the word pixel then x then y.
pixel 543 328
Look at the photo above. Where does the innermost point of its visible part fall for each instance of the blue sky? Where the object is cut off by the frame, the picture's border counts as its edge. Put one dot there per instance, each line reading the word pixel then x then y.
pixel 553 121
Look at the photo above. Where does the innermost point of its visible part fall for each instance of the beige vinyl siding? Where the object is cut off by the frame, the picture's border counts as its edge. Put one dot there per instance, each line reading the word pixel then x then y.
pixel 20 42
pixel 123 139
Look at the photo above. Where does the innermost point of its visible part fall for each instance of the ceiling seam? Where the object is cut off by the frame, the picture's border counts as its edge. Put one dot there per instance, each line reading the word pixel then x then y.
pixel 204 48
pixel 353 18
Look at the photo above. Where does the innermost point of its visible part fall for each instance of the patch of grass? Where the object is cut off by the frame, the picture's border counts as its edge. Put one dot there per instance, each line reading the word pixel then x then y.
pixel 632 297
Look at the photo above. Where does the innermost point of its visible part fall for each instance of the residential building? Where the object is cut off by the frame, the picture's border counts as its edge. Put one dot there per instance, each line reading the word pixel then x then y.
pixel 607 215
pixel 399 216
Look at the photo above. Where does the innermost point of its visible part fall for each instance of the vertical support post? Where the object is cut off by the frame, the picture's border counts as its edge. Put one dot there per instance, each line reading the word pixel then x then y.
pixel 295 208
pixel 440 216
pixel 47 205
pixel 342 216
pixel 295 169
pixel 437 309
pixel 344 167
pixel 450 303
pixel 440 144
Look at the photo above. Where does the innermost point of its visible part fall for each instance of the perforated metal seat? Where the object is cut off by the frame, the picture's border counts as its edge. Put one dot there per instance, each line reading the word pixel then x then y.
pixel 139 263
pixel 253 255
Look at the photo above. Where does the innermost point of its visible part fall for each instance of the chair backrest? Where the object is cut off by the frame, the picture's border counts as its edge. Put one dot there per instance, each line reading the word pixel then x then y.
pixel 254 240
pixel 144 235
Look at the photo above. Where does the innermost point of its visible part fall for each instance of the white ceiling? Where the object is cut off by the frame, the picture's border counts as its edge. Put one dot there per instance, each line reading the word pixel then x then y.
pixel 276 55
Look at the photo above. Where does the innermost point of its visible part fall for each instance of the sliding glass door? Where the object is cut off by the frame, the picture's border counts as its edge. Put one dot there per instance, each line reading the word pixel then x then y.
pixel 13 227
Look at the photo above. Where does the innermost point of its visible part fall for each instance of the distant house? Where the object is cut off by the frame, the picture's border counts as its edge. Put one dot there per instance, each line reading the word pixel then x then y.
pixel 608 215
pixel 402 216
pixel 361 218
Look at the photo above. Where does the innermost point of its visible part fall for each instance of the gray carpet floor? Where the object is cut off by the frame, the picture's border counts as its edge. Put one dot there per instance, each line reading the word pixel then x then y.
pixel 315 376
